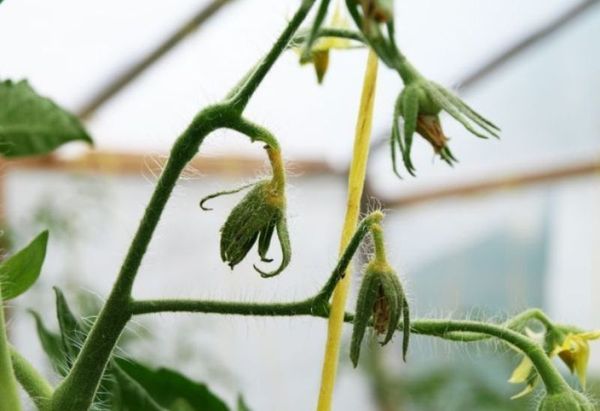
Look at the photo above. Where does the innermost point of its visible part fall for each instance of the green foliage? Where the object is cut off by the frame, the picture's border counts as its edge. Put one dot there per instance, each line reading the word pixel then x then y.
pixel 171 389
pixel 21 270
pixel 52 345
pixel 127 384
pixel 33 125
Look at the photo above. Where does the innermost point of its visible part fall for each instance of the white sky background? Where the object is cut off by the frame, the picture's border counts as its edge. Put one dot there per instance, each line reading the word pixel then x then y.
pixel 68 49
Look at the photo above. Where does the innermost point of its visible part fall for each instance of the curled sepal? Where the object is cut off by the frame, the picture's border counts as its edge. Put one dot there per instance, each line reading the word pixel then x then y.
pixel 419 105
pixel 286 249
pixel 405 316
pixel 222 193
pixel 256 217
pixel 381 301
pixel 364 310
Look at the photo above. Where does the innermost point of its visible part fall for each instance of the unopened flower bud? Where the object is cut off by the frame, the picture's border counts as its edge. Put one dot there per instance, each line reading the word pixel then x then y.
pixel 257 217
pixel 381 299
pixel 566 401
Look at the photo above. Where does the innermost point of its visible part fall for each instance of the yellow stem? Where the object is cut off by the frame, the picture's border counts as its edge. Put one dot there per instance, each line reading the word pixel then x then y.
pixel 356 180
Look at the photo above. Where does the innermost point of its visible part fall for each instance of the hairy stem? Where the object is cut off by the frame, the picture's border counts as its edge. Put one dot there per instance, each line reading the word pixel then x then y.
pixel 516 323
pixel 313 35
pixel 279 309
pixel 356 180
pixel 9 396
pixel 339 271
pixel 77 390
pixel 552 379
pixel 38 388
pixel 241 97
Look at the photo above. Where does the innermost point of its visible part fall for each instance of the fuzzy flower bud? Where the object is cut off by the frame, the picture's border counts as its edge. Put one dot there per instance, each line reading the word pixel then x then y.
pixel 257 217
pixel 566 401
pixel 381 300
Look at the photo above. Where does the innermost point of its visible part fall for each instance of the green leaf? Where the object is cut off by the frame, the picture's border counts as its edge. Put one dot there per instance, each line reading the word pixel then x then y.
pixel 127 385
pixel 129 395
pixel 21 270
pixel 71 331
pixel 170 389
pixel 52 345
pixel 33 125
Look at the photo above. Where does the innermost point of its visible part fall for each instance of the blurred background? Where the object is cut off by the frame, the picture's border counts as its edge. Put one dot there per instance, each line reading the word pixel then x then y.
pixel 515 224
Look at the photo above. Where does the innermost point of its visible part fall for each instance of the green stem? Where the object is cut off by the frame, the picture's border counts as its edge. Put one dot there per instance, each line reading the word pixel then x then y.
pixel 377 233
pixel 240 99
pixel 77 390
pixel 254 131
pixel 553 381
pixel 9 395
pixel 279 309
pixel 39 390
pixel 363 228
pixel 297 41
pixel 336 32
pixel 313 35
pixel 516 323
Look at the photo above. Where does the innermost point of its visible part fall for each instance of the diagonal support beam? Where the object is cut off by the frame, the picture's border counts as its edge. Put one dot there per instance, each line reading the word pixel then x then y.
pixel 127 76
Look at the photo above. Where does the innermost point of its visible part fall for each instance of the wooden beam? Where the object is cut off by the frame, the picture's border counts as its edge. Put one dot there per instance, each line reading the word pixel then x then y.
pixel 510 182
pixel 136 164
pixel 133 71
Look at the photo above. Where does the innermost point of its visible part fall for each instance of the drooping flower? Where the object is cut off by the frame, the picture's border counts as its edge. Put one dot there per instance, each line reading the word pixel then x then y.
pixel 318 55
pixel 419 105
pixel 525 372
pixel 260 214
pixel 571 346
pixel 575 352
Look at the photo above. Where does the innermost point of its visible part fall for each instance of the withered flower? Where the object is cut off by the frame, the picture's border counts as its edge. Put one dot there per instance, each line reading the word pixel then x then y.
pixel 257 217
pixel 419 105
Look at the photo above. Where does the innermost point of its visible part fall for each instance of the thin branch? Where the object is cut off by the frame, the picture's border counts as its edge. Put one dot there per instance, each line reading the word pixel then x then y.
pixel 436 328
